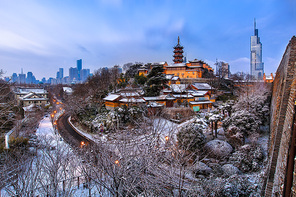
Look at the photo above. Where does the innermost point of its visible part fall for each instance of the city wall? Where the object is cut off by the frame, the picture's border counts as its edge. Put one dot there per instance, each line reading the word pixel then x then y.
pixel 282 114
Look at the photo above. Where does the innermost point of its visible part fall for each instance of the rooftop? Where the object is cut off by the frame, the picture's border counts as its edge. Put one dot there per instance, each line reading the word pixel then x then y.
pixel 202 86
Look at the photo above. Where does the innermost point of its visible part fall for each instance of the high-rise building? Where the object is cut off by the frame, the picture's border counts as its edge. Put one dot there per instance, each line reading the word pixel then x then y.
pixel 222 69
pixel 43 80
pixel 22 78
pixel 14 78
pixel 84 74
pixel 61 73
pixel 73 74
pixel 79 67
pixel 256 64
pixel 178 52
pixel 29 78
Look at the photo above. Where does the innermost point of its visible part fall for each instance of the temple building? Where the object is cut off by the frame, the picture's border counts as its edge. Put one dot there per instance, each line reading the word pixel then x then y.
pixel 180 68
pixel 183 70
pixel 178 53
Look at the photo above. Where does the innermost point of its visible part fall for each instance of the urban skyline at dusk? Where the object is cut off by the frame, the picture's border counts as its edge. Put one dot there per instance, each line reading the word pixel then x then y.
pixel 42 37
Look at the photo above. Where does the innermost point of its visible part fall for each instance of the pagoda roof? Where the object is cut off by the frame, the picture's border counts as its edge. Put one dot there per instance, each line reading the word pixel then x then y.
pixel 197 61
pixel 178 46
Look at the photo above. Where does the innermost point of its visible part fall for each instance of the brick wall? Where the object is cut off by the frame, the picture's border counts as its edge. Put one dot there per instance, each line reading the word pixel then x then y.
pixel 282 111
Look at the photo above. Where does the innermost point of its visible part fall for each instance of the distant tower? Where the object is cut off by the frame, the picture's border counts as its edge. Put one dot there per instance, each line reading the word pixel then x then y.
pixel 178 53
pixel 79 67
pixel 256 64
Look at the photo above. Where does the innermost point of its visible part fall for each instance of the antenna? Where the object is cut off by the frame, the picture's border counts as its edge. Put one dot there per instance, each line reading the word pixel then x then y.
pixel 254 23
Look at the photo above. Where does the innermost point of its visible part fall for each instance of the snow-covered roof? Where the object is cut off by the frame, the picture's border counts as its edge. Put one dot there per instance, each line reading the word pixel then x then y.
pixel 167 90
pixel 160 63
pixel 175 78
pixel 111 97
pixel 169 77
pixel 177 65
pixel 183 96
pixel 178 87
pixel 35 90
pixel 202 86
pixel 129 94
pixel 154 104
pixel 29 97
pixel 67 89
pixel 199 93
pixel 156 98
pixel 200 102
pixel 132 100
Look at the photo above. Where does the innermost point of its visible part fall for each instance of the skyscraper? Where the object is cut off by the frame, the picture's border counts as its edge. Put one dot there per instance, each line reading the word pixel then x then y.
pixel 14 78
pixel 79 67
pixel 29 78
pixel 22 78
pixel 61 73
pixel 256 64
pixel 73 74
pixel 84 74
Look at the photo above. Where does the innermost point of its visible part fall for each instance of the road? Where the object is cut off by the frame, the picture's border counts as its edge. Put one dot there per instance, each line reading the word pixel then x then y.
pixel 70 135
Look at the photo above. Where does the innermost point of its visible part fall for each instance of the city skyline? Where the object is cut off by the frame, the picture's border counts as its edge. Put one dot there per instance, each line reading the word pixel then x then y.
pixel 46 36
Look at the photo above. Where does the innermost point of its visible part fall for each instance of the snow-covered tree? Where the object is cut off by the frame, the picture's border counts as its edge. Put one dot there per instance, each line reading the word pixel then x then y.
pixel 191 136
pixel 213 118
pixel 245 122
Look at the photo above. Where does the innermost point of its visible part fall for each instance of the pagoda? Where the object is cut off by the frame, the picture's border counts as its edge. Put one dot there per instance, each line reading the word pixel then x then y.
pixel 178 53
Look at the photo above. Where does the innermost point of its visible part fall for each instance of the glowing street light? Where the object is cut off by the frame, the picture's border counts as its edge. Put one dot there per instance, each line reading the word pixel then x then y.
pixel 116 162
pixel 58 103
pixel 167 138
pixel 52 115
pixel 82 144
pixel 55 123
pixel 54 111
pixel 61 108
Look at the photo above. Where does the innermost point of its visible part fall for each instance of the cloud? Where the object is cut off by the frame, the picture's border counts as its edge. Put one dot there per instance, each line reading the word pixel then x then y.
pixel 14 42
pixel 83 49
pixel 240 65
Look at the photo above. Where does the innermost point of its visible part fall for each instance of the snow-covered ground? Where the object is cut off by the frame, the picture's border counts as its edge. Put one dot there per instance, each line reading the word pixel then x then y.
pixel 48 136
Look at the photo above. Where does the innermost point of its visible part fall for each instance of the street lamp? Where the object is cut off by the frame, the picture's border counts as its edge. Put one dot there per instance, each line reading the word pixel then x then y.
pixel 54 111
pixel 82 144
pixel 167 138
pixel 52 115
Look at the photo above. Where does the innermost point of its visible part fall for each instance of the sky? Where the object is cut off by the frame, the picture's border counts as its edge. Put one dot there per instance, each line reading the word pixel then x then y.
pixel 45 35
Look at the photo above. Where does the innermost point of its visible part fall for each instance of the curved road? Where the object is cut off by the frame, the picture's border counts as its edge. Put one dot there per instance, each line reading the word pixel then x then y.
pixel 69 134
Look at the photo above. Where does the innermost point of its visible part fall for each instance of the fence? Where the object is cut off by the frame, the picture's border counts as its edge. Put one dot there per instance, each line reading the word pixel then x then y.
pixel 13 131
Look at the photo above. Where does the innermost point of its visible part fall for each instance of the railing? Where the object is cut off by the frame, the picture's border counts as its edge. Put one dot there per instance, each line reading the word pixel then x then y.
pixel 16 128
